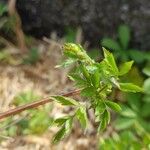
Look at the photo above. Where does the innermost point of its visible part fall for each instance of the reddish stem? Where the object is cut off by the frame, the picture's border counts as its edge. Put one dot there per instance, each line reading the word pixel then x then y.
pixel 33 105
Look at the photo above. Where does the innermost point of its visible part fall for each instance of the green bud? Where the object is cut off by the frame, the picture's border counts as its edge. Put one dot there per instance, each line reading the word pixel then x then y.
pixel 70 47
pixel 76 51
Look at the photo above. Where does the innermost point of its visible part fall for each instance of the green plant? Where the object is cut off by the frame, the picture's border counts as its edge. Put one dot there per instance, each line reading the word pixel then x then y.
pixel 121 47
pixel 131 128
pixel 125 140
pixel 96 81
pixel 70 35
pixel 6 22
pixel 3 9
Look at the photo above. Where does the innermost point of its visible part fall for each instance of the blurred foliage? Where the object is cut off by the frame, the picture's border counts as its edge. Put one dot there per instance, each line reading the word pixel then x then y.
pixel 126 140
pixel 121 49
pixel 3 9
pixel 32 56
pixel 7 23
pixel 70 35
pixel 35 121
pixel 132 125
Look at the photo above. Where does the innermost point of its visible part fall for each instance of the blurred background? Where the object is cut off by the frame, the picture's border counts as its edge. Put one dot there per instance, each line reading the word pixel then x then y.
pixel 32 33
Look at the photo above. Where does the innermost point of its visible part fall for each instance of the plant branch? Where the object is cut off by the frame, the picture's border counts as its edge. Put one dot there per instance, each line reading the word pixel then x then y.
pixel 35 104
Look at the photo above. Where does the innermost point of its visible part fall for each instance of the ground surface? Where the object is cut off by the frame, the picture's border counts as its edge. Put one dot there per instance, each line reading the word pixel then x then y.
pixel 45 80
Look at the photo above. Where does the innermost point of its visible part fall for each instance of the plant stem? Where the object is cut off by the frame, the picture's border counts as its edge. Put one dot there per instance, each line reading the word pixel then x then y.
pixel 32 105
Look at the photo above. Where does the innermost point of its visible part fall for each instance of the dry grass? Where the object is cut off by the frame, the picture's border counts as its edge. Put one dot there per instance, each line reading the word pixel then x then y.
pixel 44 79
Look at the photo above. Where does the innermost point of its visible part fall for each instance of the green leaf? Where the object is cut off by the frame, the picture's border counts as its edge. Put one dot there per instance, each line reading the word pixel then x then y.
pixel 146 70
pixel 65 100
pixel 79 81
pixel 124 36
pixel 68 125
pixel 91 69
pixel 124 123
pixel 66 128
pixel 3 8
pixel 128 112
pixel 61 121
pixel 85 72
pixel 146 86
pixel 125 68
pixel 146 109
pixel 96 79
pixel 109 58
pixel 82 117
pixel 88 92
pixel 107 116
pixel 134 100
pixel 102 125
pixel 67 63
pixel 110 44
pixel 104 120
pixel 137 55
pixel 70 35
pixel 130 87
pixel 59 135
pixel 100 108
pixel 114 106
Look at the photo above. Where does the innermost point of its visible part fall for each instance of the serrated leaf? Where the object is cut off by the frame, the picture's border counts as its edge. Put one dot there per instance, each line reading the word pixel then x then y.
pixel 125 68
pixel 61 121
pixel 85 72
pixel 68 125
pixel 70 54
pixel 100 108
pixel 111 44
pixel 66 128
pixel 109 58
pixel 114 106
pixel 91 69
pixel 102 125
pixel 106 52
pixel 107 116
pixel 82 117
pixel 79 81
pixel 59 135
pixel 95 78
pixel 65 100
pixel 104 120
pixel 124 36
pixel 88 92
pixel 130 87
